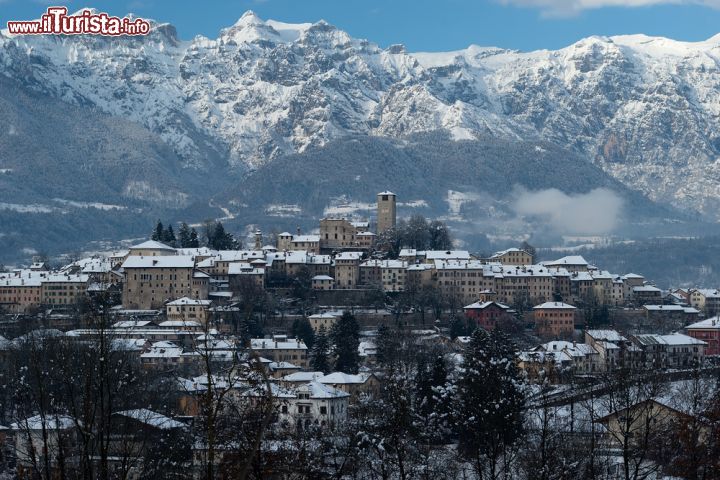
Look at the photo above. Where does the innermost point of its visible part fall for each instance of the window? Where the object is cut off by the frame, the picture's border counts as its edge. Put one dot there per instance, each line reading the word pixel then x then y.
pixel 323 410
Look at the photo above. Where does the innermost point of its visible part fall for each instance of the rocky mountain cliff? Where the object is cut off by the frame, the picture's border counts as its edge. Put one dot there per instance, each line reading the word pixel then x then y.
pixel 646 110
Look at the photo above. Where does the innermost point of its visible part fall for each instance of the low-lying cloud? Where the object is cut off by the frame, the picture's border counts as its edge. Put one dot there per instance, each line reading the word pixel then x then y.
pixel 594 213
pixel 568 8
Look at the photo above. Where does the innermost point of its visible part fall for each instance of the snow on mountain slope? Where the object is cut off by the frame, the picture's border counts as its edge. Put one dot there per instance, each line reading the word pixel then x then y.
pixel 645 109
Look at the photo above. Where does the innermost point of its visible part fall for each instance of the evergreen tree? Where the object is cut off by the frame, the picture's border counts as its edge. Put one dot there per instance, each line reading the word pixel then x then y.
pixel 346 338
pixel 439 236
pixel 184 235
pixel 194 242
pixel 458 327
pixel 387 345
pixel 319 354
pixel 169 236
pixel 432 409
pixel 217 237
pixel 302 329
pixel 158 233
pixel 488 414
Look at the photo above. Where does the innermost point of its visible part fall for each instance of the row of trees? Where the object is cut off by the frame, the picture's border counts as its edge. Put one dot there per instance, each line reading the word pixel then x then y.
pixel 214 236
pixel 417 233
pixel 336 349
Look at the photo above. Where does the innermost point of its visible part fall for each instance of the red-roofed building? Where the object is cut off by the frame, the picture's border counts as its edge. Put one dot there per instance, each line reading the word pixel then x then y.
pixel 487 314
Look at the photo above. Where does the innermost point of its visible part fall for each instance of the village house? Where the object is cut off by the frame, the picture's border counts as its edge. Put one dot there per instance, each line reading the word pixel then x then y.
pixel 322 282
pixel 487 314
pixel 388 275
pixel 326 320
pixel 667 318
pixel 355 385
pixel 706 300
pixel 41 439
pixel 280 348
pixel 615 350
pixel 20 291
pixel 647 294
pixel 512 256
pixel 572 263
pixel 314 404
pixel 58 289
pixel 187 309
pixel 670 351
pixel 337 233
pixel 554 319
pixel 152 281
pixel 541 366
pixel 708 331
pixel 347 270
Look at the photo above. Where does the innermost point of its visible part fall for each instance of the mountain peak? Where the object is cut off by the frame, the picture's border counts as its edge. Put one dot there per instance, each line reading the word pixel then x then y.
pixel 249 18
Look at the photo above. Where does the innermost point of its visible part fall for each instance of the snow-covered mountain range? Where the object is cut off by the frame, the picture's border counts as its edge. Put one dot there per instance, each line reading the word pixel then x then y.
pixel 645 110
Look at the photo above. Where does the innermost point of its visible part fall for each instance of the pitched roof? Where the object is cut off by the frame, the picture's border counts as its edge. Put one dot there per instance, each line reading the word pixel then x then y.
pixel 151 418
pixel 189 301
pixel 152 245
pixel 554 306
pixel 162 261
pixel 712 323
pixel 340 378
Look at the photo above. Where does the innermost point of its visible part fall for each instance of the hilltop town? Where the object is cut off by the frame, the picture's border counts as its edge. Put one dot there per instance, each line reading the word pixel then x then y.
pixel 307 332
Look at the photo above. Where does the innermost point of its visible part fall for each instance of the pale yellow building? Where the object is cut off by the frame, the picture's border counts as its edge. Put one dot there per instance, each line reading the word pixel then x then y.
pixel 152 281
pixel 347 270
pixel 512 256
pixel 187 309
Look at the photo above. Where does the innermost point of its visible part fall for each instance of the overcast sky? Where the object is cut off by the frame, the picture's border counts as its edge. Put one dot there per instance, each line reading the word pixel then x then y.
pixel 424 25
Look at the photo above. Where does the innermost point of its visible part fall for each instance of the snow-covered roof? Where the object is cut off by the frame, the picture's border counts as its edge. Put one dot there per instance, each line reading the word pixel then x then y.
pixel 385 264
pixel 180 324
pixel 447 254
pixel 556 345
pixel 152 245
pixel 573 260
pixel 483 305
pixel 283 366
pixel 509 250
pixel 609 335
pixel 132 324
pixel 675 339
pixel 151 418
pixel 669 308
pixel 189 301
pixel 277 344
pixel 302 376
pixel 707 292
pixel 635 276
pixel 318 390
pixel 340 378
pixel 320 316
pixel 646 288
pixel 50 422
pixel 349 256
pixel 161 261
pixel 712 323
pixel 554 306
pixel 306 238
pixel 386 192
pixel 322 277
